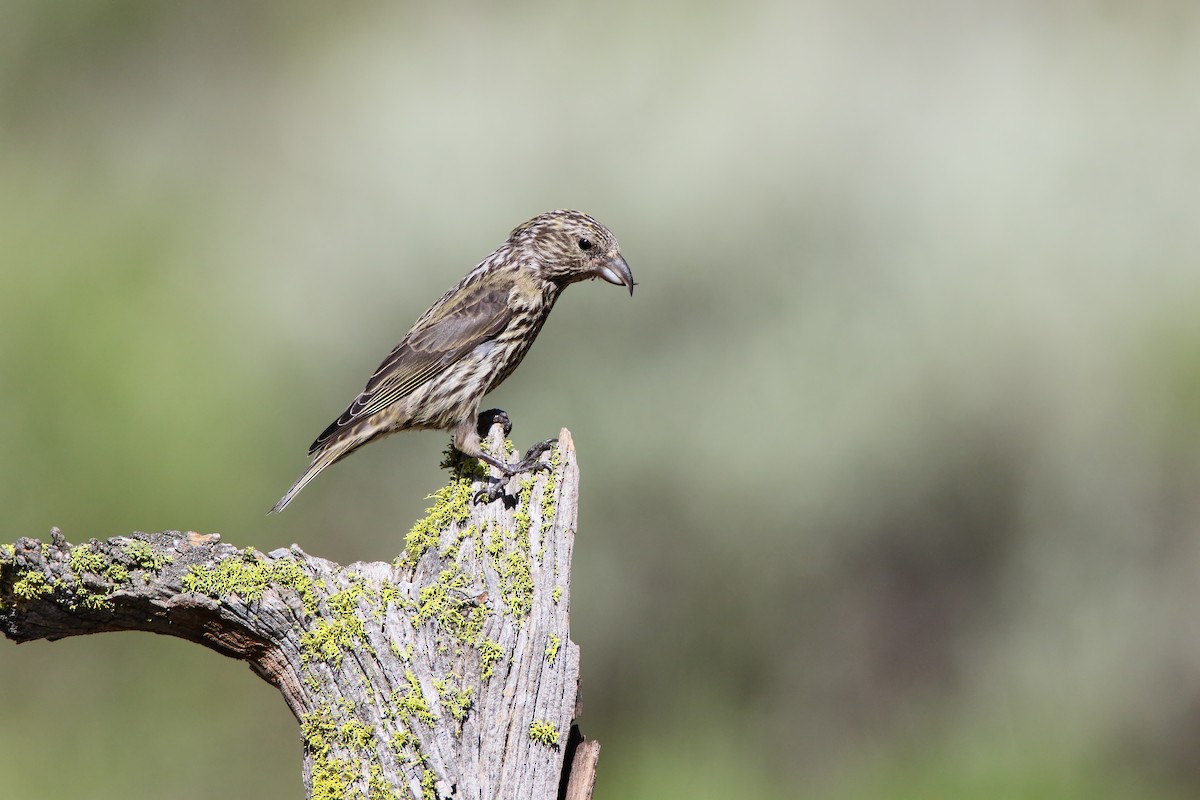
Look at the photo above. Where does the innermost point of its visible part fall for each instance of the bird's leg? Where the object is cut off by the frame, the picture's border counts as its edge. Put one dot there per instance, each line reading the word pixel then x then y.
pixel 468 437
pixel 467 440
pixel 484 423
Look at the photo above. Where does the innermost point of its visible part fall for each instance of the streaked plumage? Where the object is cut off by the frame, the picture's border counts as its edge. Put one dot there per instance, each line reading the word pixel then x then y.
pixel 471 339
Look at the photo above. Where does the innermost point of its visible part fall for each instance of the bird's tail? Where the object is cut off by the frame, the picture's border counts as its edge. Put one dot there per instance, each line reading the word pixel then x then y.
pixel 335 449
pixel 322 460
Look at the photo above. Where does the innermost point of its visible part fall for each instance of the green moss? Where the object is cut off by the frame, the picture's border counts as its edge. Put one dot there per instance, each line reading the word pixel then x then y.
pixel 516 583
pixel 495 543
pixel 404 744
pixel 543 732
pixel 7 552
pixel 377 786
pixel 143 556
pixel 329 639
pixel 356 733
pixel 445 602
pixel 557 594
pixel 118 573
pixel 468 467
pixel 248 577
pixel 289 573
pixel 95 600
pixel 389 593
pixel 345 603
pixel 456 701
pixel 451 504
pixel 331 777
pixel 31 584
pixel 84 559
pixel 429 785
pixel 490 654
pixel 313 683
pixel 318 730
pixel 243 576
pixel 522 518
pixel 412 703
pixel 552 645
pixel 550 493
pixel 513 565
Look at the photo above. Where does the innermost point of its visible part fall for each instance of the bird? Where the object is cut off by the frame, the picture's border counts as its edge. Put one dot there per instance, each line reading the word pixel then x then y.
pixel 470 340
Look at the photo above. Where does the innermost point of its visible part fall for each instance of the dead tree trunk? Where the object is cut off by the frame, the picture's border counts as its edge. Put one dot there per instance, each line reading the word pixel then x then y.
pixel 448 673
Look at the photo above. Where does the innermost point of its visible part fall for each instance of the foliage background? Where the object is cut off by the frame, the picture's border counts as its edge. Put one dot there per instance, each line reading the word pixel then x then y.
pixel 889 467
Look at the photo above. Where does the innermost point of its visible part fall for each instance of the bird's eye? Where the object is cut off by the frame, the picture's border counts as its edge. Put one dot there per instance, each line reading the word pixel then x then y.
pixel 585 244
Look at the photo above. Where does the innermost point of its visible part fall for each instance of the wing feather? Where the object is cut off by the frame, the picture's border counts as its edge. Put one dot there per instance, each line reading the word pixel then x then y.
pixel 460 321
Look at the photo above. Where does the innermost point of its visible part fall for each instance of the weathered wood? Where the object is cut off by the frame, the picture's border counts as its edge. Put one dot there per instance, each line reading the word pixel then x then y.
pixel 447 673
pixel 582 776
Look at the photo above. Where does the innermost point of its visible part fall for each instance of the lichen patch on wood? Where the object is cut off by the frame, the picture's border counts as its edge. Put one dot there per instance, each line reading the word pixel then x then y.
pixel 448 672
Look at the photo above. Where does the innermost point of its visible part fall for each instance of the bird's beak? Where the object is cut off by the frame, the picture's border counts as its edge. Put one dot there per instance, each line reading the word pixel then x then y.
pixel 616 271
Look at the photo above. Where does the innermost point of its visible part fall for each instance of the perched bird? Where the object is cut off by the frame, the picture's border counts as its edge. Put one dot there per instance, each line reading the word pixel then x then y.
pixel 470 340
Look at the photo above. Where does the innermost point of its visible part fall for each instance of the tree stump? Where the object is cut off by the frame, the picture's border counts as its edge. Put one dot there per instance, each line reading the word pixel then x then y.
pixel 448 673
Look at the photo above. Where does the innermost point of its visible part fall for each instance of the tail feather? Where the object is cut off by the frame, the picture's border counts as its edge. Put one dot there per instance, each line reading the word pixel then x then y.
pixel 348 440
pixel 322 460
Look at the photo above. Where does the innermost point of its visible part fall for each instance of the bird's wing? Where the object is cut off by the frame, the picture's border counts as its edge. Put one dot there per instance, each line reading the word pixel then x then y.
pixel 459 322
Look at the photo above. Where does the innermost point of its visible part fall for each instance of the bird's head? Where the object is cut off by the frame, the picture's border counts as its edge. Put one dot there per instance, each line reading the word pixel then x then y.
pixel 570 246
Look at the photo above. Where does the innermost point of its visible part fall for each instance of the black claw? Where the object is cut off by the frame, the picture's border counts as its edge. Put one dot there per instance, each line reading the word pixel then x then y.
pixel 489 418
pixel 539 448
pixel 488 494
pixel 493 493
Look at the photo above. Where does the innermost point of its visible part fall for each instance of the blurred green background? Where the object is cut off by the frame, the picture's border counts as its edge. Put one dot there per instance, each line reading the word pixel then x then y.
pixel 889 467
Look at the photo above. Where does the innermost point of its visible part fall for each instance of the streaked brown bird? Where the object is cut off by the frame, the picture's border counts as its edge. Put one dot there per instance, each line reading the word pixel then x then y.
pixel 470 340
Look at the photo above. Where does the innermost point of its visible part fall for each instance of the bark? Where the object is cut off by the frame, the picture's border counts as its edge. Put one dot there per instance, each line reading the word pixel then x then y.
pixel 447 673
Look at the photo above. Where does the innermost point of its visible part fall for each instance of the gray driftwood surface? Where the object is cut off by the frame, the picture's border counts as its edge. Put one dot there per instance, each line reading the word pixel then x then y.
pixel 448 673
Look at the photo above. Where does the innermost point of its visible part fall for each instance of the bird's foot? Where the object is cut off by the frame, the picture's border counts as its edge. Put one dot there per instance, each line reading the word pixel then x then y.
pixel 530 463
pixel 492 492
